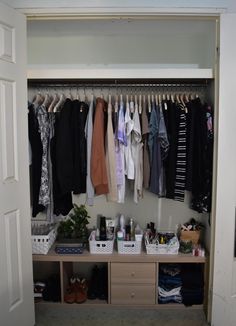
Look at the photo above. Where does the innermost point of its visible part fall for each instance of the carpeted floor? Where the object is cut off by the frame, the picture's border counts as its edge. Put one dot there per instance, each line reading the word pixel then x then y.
pixel 49 315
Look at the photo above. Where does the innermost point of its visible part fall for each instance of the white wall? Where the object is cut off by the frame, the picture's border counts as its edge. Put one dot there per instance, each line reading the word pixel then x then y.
pixel 108 42
pixel 165 213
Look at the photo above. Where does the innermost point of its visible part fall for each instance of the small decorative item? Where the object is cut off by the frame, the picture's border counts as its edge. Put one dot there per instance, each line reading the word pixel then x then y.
pixel 191 231
pixel 74 228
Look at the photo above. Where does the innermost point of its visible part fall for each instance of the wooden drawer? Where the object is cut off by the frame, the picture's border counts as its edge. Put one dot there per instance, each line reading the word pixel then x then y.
pixel 132 294
pixel 133 273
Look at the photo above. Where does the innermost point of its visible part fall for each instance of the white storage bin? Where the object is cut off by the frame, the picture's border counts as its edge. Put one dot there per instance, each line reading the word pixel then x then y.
pixel 41 243
pixel 100 247
pixel 129 247
pixel 170 248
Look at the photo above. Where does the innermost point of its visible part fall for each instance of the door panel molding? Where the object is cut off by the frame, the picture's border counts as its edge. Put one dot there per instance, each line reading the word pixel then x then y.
pixel 13 255
pixel 8 131
pixel 7 43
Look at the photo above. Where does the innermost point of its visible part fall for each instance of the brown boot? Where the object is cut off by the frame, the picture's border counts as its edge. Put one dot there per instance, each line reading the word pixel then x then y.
pixel 81 290
pixel 70 295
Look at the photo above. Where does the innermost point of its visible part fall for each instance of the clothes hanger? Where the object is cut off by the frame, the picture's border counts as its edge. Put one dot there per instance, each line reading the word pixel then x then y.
pixel 183 103
pixel 177 98
pixel 164 97
pixel 135 100
pixel 149 104
pixel 181 99
pixel 156 100
pixel 70 94
pixel 152 98
pixel 127 98
pixel 38 99
pixel 83 98
pixel 92 94
pixel 116 104
pixel 135 103
pixel 59 103
pixel 144 101
pixel 140 104
pixel 186 98
pixel 55 99
pixel 101 94
pixel 131 104
pixel 47 100
pixel 77 94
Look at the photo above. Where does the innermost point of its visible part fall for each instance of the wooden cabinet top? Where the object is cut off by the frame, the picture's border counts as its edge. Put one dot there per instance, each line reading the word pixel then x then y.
pixel 86 256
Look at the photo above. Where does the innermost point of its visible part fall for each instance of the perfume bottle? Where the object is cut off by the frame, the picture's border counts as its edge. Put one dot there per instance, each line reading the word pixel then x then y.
pixel 132 232
pixel 103 230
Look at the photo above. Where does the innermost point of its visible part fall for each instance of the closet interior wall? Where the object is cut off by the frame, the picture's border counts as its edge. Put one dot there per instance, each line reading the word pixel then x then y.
pixel 165 213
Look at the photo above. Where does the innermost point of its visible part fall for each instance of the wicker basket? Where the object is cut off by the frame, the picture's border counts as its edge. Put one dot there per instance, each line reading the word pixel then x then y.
pixel 100 247
pixel 42 243
pixel 193 236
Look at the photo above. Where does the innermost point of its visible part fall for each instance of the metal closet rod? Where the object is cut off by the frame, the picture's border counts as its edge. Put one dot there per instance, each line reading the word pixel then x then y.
pixel 117 83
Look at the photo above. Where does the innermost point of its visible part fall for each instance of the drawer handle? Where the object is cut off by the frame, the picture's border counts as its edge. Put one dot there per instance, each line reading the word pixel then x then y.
pixel 133 274
pixel 132 295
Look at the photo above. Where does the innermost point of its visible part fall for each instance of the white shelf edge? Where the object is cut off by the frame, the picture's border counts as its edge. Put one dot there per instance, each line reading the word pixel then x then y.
pixel 165 73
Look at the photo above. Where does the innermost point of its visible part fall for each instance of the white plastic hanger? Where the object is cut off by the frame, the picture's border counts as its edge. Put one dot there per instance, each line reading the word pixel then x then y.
pixel 46 100
pixel 140 104
pixel 55 99
pixel 38 99
pixel 116 103
pixel 149 104
pixel 59 103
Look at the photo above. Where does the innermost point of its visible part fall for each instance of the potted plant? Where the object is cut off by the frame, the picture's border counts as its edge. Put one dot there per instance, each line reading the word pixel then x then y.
pixel 74 228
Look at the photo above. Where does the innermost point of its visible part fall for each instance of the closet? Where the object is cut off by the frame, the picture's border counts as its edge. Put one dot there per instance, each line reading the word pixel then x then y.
pixel 114 56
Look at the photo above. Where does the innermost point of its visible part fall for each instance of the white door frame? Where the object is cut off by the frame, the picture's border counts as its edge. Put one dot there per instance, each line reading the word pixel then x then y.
pixel 95 12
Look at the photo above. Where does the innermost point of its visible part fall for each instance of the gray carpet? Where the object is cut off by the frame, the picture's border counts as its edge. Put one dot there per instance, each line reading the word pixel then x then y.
pixel 49 315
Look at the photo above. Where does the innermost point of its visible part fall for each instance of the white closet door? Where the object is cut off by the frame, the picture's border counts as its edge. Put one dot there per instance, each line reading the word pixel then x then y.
pixel 16 285
pixel 224 275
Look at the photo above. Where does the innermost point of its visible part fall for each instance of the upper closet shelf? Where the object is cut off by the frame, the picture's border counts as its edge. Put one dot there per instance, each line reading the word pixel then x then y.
pixel 119 73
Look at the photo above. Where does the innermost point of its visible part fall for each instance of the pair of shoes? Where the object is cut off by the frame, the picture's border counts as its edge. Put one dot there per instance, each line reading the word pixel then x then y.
pixel 76 291
pixel 98 286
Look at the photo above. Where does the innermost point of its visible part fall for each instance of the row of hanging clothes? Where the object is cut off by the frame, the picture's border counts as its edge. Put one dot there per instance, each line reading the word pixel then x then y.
pixel 105 141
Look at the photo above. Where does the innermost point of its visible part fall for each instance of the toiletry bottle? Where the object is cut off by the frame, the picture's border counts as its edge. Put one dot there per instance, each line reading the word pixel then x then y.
pixel 132 232
pixel 120 236
pixel 97 235
pixel 103 231
pixel 127 232
pixel 122 224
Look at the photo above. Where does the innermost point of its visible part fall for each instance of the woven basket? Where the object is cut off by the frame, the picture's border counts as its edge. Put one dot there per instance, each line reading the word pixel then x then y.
pixel 193 236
